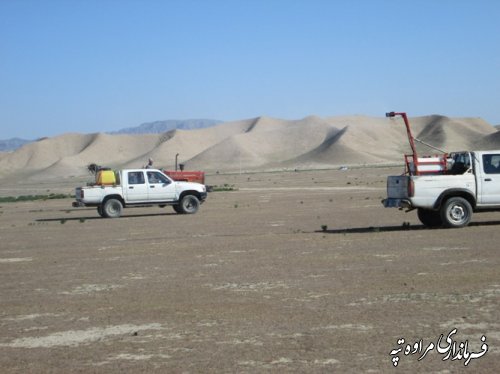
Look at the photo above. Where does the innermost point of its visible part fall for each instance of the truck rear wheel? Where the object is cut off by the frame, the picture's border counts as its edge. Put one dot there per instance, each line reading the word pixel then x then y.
pixel 429 218
pixel 456 212
pixel 189 204
pixel 100 211
pixel 112 208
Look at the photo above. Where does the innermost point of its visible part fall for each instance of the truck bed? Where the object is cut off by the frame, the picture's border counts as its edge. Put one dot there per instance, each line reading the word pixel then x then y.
pixel 424 190
pixel 95 194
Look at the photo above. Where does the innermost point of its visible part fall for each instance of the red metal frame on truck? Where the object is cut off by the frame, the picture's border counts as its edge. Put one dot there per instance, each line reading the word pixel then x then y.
pixel 440 163
pixel 186 176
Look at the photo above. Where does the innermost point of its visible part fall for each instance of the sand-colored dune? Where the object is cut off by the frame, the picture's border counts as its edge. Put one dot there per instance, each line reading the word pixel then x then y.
pixel 265 143
pixel 447 133
pixel 189 143
pixel 381 138
pixel 261 143
pixel 491 141
pixel 335 147
pixel 45 153
pixel 103 149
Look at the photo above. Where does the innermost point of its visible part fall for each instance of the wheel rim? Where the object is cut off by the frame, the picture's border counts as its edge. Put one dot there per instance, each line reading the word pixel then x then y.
pixel 113 208
pixel 189 204
pixel 457 213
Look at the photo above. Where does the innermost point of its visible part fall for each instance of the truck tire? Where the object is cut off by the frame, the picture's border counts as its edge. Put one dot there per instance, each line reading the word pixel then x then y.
pixel 112 208
pixel 189 204
pixel 177 209
pixel 456 212
pixel 100 211
pixel 429 218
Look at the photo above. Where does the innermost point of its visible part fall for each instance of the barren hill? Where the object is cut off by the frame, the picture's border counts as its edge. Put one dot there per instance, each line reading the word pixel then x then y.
pixel 253 144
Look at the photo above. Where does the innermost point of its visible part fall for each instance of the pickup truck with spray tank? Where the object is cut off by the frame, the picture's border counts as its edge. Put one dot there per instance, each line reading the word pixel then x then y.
pixel 115 190
pixel 445 189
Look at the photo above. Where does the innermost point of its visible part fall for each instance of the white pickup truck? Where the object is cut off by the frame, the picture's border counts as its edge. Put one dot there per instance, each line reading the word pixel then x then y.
pixel 136 187
pixel 448 193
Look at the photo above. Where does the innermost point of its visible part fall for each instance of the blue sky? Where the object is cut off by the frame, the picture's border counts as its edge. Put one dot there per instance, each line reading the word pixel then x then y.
pixel 89 66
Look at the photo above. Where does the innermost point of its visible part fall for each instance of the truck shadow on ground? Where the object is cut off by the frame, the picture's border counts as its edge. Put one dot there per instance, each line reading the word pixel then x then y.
pixel 81 219
pixel 403 227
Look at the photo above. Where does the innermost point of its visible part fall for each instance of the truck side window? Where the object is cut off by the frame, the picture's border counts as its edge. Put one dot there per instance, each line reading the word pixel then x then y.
pixel 491 164
pixel 461 163
pixel 136 177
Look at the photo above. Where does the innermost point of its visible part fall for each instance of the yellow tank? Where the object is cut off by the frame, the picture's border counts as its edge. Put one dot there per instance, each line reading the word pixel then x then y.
pixel 105 178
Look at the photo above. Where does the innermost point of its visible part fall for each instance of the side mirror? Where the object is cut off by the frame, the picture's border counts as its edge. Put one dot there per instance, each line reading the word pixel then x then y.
pixel 390 114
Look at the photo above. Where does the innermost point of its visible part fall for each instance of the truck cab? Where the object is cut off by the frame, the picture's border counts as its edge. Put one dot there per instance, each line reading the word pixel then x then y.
pixel 488 175
pixel 148 186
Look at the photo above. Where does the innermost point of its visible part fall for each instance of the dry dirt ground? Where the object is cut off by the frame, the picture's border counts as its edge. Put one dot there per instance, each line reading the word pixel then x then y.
pixel 253 283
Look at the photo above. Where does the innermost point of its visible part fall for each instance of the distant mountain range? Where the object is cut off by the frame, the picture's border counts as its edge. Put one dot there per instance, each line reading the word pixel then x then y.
pixel 9 145
pixel 159 127
pixel 156 127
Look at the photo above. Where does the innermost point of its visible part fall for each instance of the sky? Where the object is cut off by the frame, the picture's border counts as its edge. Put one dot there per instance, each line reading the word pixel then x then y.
pixel 101 65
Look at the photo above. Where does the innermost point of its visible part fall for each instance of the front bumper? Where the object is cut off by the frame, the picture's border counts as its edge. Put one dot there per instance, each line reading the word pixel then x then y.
pixel 203 196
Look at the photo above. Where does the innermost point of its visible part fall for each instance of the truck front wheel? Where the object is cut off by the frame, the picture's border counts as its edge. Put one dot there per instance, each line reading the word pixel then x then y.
pixel 189 204
pixel 456 212
pixel 112 208
pixel 429 218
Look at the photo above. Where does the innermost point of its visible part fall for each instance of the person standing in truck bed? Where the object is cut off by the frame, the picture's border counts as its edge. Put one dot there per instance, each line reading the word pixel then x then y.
pixel 149 164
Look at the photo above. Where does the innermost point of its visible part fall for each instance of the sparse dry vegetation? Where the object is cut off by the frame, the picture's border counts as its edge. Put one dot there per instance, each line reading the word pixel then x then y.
pixel 16 199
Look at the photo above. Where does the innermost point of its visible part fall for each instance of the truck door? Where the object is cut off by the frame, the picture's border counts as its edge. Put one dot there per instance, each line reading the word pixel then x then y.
pixel 160 188
pixel 136 189
pixel 490 179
